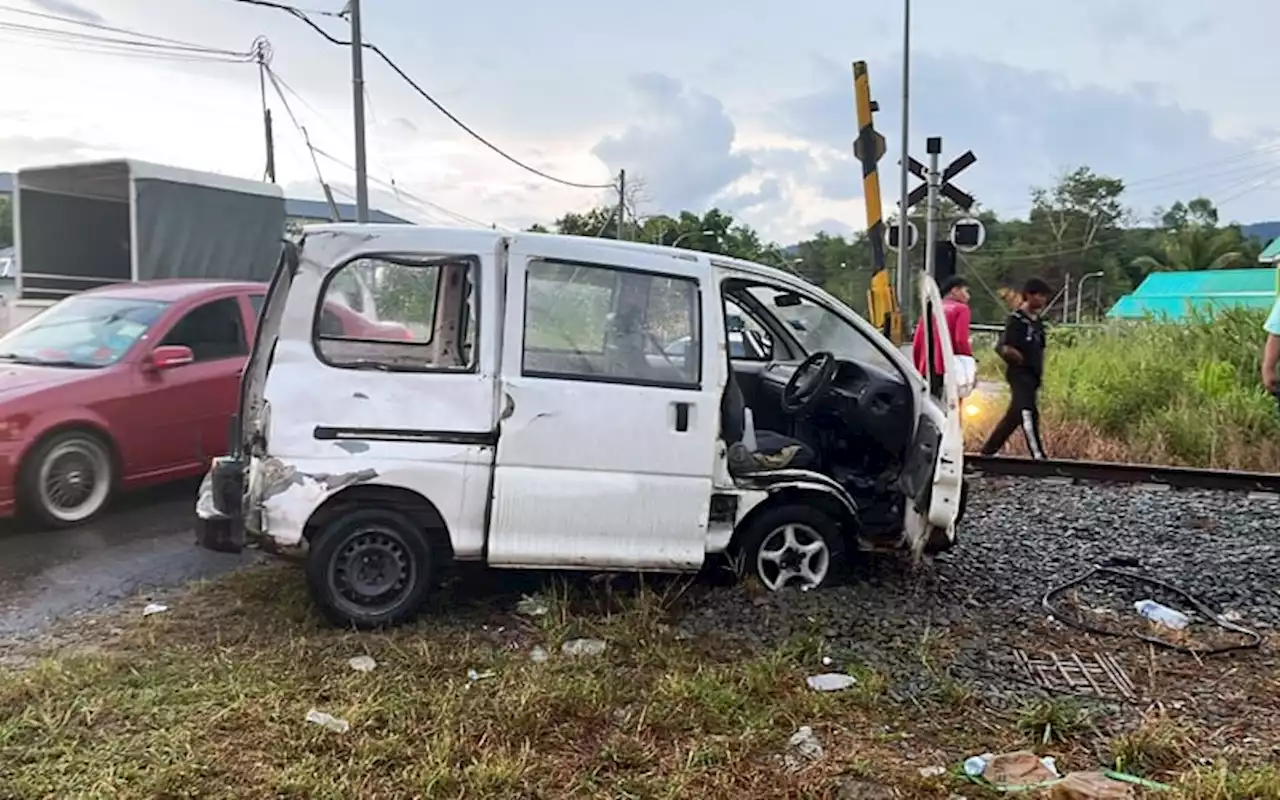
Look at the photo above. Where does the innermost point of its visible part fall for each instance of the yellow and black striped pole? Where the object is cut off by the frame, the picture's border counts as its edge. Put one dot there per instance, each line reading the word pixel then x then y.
pixel 868 148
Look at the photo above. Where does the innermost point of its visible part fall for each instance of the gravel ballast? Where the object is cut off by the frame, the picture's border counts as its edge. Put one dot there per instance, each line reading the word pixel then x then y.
pixel 1021 537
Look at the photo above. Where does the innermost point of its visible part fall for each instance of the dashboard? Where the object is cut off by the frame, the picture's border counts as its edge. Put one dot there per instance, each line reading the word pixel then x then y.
pixel 863 399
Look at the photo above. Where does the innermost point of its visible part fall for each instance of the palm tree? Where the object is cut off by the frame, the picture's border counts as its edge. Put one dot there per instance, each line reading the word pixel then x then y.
pixel 1196 247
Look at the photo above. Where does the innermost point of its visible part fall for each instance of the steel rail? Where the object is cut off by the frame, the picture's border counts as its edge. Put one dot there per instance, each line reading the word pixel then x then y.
pixel 1112 472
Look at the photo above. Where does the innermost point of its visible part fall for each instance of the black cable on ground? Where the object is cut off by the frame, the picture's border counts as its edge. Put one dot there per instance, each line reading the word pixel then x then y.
pixel 1255 639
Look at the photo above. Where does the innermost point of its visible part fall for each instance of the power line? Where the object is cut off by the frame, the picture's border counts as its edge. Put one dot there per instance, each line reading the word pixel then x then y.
pixel 306 137
pixel 279 85
pixel 403 194
pixel 144 45
pixel 111 29
pixel 1162 182
pixel 299 14
pixel 414 85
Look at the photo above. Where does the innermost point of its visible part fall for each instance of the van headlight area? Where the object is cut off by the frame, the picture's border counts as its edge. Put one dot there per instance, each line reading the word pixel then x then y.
pixel 982 401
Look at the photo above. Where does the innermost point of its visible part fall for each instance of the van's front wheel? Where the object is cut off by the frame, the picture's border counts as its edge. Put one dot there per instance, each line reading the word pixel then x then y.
pixel 793 546
pixel 369 568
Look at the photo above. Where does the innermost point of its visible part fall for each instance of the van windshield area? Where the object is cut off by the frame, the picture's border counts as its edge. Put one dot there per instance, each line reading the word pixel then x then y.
pixel 84 331
pixel 818 328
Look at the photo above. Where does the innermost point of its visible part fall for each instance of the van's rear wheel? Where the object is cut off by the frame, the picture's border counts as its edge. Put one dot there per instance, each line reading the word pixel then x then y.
pixel 369 568
pixel 794 546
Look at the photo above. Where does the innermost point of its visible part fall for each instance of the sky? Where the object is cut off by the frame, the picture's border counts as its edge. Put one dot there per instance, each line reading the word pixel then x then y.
pixel 744 105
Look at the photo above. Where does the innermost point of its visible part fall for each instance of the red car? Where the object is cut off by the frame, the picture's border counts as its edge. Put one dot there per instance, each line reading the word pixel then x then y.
pixel 127 386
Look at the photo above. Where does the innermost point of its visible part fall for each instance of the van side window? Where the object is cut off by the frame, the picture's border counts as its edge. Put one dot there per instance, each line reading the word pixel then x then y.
pixel 611 325
pixel 398 315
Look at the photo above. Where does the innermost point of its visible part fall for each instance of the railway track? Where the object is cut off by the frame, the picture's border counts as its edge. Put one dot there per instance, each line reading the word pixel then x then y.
pixel 1110 472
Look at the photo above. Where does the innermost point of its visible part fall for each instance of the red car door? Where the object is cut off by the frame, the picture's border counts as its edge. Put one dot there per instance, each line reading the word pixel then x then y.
pixel 187 409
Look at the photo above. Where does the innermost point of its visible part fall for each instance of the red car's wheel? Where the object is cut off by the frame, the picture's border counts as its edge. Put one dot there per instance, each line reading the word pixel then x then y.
pixel 67 479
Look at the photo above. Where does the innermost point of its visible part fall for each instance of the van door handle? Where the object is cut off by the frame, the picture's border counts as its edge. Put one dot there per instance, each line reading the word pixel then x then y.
pixel 682 417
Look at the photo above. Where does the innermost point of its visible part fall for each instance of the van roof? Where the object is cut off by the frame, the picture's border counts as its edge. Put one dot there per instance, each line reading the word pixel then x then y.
pixel 485 239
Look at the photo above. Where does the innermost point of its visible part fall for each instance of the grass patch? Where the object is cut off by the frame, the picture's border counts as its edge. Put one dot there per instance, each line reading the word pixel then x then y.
pixel 1053 722
pixel 1221 782
pixel 1187 394
pixel 1159 745
pixel 210 699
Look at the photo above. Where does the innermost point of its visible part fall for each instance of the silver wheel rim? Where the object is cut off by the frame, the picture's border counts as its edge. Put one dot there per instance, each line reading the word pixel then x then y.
pixel 793 555
pixel 75 478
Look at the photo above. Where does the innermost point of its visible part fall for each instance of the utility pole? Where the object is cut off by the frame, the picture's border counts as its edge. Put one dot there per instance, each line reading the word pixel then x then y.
pixel 904 285
pixel 932 146
pixel 262 54
pixel 622 201
pixel 357 89
pixel 271 146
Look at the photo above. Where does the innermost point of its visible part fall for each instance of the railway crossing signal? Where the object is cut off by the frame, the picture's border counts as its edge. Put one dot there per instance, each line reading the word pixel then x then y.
pixel 913 236
pixel 869 138
pixel 968 234
pixel 945 187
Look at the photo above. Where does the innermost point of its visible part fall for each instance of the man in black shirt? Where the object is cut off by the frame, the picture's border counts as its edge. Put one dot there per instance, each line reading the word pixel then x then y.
pixel 1022 348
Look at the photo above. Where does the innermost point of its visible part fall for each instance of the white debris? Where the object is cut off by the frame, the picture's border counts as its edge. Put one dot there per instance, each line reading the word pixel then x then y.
pixel 362 663
pixel 830 682
pixel 802 746
pixel 335 724
pixel 932 772
pixel 539 656
pixel 531 606
pixel 472 675
pixel 974 766
pixel 154 608
pixel 583 647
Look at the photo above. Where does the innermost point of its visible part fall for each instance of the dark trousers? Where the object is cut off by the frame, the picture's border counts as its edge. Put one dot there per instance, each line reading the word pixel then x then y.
pixel 1023 413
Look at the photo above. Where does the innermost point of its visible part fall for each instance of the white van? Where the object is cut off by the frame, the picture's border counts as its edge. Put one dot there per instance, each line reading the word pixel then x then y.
pixel 538 417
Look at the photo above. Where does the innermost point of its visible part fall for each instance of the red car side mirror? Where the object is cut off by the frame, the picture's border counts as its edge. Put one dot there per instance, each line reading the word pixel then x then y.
pixel 168 356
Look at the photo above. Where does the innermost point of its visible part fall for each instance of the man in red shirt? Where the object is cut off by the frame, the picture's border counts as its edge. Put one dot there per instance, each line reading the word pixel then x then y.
pixel 955 304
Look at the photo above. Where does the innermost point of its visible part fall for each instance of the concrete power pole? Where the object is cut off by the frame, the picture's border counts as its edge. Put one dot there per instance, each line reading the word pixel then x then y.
pixel 357 89
pixel 903 287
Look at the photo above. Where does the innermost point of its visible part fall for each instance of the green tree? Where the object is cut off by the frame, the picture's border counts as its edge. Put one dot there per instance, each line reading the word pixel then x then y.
pixel 1192 240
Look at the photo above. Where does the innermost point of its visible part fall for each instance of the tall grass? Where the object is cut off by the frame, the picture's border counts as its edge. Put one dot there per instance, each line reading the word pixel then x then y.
pixel 1186 393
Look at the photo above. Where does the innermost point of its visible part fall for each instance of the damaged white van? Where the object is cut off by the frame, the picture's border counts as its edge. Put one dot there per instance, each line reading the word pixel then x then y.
pixel 573 403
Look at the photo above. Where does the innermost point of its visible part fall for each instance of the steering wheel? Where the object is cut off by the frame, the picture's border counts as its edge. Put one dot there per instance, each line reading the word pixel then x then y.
pixel 809 383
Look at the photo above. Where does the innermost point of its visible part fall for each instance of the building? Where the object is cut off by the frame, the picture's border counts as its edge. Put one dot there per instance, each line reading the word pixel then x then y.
pixel 1174 296
pixel 300 212
pixel 1270 256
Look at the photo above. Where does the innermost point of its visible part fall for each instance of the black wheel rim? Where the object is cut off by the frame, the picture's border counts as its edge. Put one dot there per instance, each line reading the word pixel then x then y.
pixel 372 572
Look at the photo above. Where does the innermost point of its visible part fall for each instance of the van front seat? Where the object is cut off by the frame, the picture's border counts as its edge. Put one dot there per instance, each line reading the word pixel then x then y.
pixel 769 450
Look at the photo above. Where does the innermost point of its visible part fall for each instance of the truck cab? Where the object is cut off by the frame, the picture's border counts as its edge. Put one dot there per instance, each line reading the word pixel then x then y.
pixel 574 403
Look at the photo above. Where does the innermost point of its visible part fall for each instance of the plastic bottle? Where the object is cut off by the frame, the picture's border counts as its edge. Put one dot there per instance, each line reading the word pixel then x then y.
pixel 976 765
pixel 1162 615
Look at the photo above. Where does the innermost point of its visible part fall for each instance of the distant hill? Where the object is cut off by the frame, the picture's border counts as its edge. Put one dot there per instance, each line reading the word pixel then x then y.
pixel 1266 231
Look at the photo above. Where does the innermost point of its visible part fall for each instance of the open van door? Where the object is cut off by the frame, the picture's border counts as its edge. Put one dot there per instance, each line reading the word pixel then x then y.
pixel 933 477
pixel 948 471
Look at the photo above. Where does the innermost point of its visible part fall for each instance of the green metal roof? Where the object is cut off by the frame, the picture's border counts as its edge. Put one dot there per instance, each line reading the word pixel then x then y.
pixel 1174 295
pixel 1271 253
